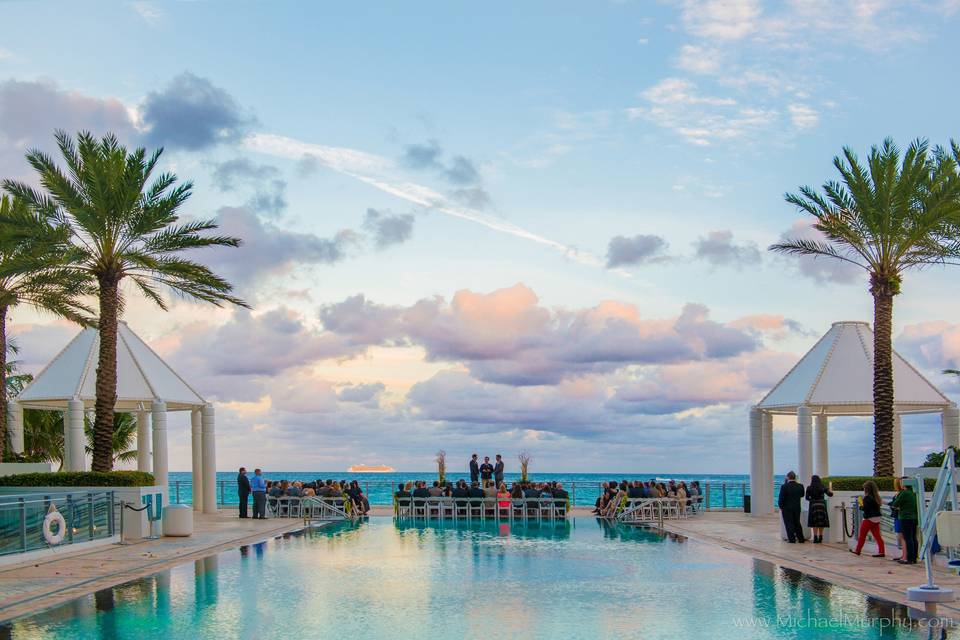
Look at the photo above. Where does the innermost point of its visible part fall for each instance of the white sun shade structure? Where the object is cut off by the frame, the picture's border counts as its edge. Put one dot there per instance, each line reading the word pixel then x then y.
pixel 835 378
pixel 146 387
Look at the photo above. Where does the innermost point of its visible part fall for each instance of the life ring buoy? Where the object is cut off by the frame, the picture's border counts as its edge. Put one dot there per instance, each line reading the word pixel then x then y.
pixel 48 534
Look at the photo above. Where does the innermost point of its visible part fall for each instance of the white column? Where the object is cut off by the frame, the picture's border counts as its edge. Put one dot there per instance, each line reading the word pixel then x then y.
pixel 209 459
pixel 73 425
pixel 756 461
pixel 804 445
pixel 160 470
pixel 820 442
pixel 143 441
pixel 767 439
pixel 197 450
pixel 950 420
pixel 897 445
pixel 15 416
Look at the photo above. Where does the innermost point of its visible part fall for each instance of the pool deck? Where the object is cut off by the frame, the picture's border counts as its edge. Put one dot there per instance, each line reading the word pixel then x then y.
pixel 39 584
pixel 760 537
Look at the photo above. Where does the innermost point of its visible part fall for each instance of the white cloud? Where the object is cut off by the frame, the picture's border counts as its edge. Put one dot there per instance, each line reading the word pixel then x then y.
pixel 721 19
pixel 803 116
pixel 671 91
pixel 4 54
pixel 677 105
pixel 698 59
pixel 148 11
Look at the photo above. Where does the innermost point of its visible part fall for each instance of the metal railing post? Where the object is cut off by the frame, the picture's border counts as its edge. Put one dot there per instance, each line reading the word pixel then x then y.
pixel 574 487
pixel 223 500
pixel 706 491
pixel 71 512
pixel 177 489
pixel 90 515
pixel 23 525
pixel 110 522
pixel 723 489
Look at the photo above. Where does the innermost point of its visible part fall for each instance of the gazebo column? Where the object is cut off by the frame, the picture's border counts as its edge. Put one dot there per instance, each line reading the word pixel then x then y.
pixel 767 454
pixel 160 470
pixel 950 421
pixel 756 462
pixel 822 467
pixel 143 441
pixel 197 458
pixel 897 445
pixel 15 416
pixel 209 459
pixel 804 445
pixel 74 437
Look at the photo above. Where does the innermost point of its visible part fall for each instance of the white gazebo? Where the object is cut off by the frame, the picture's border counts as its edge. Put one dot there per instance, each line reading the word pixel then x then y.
pixel 146 387
pixel 835 378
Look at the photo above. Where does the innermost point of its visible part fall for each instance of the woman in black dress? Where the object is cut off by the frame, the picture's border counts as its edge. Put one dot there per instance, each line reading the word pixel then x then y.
pixel 818 518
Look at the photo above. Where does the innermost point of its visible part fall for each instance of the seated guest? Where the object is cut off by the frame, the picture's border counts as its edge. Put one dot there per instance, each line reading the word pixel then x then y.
pixel 475 490
pixel 461 491
pixel 435 491
pixel 546 491
pixel 401 491
pixel 293 491
pixel 276 490
pixel 308 492
pixel 490 489
pixel 559 493
pixel 531 492
pixel 635 491
pixel 421 490
pixel 517 491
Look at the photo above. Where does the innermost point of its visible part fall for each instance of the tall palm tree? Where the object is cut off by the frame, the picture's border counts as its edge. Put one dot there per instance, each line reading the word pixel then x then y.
pixel 124 227
pixel 899 212
pixel 32 272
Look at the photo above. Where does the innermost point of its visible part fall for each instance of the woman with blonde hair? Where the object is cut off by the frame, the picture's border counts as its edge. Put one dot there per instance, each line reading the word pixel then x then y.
pixel 503 500
pixel 870 504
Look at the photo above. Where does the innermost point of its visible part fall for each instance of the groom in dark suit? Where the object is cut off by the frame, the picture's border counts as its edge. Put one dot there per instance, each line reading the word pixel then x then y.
pixel 474 469
pixel 243 489
pixel 790 501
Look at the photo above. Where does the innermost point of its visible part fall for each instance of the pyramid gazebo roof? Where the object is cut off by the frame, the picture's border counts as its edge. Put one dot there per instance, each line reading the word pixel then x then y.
pixel 835 377
pixel 142 377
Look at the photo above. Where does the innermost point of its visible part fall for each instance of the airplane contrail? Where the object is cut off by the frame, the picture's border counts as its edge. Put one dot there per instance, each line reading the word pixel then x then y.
pixel 370 169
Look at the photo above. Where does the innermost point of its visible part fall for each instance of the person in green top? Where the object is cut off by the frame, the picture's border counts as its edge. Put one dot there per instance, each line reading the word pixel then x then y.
pixel 905 504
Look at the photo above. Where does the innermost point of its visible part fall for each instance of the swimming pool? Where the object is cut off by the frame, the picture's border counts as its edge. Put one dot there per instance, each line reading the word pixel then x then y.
pixel 580 578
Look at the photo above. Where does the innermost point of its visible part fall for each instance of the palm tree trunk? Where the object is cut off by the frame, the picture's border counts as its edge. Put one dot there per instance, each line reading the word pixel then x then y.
pixel 3 379
pixel 106 374
pixel 883 415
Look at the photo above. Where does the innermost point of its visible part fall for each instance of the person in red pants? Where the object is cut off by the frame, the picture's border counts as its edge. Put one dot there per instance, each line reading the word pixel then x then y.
pixel 870 505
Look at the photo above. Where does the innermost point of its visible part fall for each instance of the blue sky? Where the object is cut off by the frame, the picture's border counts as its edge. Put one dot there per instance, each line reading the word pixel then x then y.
pixel 405 153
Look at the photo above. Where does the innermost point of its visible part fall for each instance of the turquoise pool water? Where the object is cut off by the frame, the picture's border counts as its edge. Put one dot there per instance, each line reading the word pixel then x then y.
pixel 380 579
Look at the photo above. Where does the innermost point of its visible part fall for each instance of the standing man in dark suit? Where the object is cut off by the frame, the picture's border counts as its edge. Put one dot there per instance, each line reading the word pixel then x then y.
pixel 474 469
pixel 791 497
pixel 486 471
pixel 243 489
pixel 498 471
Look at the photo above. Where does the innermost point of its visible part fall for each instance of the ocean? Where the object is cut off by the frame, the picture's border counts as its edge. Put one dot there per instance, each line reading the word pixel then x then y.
pixel 726 490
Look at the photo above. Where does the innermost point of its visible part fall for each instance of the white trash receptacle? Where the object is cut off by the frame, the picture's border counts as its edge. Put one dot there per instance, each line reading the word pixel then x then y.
pixel 178 520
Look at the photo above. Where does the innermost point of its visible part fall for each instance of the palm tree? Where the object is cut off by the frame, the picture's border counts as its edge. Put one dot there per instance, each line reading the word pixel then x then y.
pixel 124 435
pixel 43 436
pixel 123 227
pixel 894 214
pixel 32 272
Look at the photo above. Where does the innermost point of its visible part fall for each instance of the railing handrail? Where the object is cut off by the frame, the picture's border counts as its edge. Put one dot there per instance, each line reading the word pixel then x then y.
pixel 15 499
